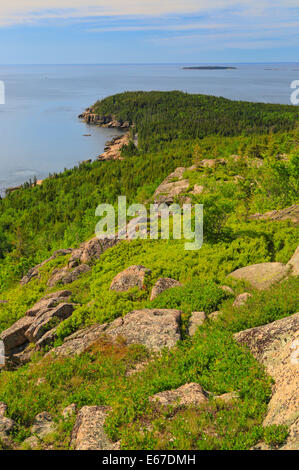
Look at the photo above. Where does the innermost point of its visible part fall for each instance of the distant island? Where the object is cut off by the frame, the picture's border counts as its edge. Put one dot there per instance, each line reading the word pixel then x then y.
pixel 209 67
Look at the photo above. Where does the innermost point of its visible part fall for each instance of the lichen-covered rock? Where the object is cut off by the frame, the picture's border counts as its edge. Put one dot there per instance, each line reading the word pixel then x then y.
pixel 276 345
pixel 88 432
pixel 227 289
pixel 242 299
pixel 15 335
pixel 155 329
pixel 262 276
pixel 134 276
pixel 290 213
pixel 43 425
pixel 171 187
pixel 163 284
pixel 197 190
pixel 196 320
pixel 227 397
pixel 65 276
pixel 186 395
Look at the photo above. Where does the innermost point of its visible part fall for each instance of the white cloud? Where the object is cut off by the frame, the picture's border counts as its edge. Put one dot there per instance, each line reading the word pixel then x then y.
pixel 23 11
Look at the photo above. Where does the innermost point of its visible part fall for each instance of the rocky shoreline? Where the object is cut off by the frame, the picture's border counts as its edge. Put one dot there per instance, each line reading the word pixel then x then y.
pixel 90 117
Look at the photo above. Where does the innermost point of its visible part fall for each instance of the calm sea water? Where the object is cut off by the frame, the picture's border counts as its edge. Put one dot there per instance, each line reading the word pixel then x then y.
pixel 39 129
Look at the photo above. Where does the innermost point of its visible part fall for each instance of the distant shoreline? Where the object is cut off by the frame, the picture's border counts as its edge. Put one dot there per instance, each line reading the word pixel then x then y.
pixel 209 67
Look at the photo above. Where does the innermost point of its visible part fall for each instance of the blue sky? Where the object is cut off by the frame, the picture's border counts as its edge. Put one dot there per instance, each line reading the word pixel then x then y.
pixel 147 31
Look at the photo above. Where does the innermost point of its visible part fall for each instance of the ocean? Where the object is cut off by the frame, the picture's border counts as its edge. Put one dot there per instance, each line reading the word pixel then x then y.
pixel 40 132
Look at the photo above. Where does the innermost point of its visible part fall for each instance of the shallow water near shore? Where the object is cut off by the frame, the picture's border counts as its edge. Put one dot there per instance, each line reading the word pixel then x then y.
pixel 41 133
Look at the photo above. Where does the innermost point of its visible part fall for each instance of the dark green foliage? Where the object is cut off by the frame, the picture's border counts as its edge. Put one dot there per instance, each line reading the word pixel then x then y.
pixel 195 296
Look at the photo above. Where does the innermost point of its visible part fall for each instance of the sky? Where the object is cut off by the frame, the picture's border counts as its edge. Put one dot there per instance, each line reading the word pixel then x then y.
pixel 148 31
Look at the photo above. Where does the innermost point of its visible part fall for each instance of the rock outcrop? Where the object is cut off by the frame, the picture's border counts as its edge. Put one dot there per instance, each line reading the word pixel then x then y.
pixel 43 425
pixel 134 276
pixel 34 272
pixel 186 395
pixel 162 284
pixel 14 336
pixel 155 329
pixel 88 432
pixel 242 299
pixel 37 325
pixel 212 163
pixel 215 315
pixel 276 345
pixel 173 186
pixel 290 213
pixel 262 276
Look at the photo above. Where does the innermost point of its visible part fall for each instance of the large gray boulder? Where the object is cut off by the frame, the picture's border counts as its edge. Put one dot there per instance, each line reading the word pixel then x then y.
pixel 134 276
pixel 155 329
pixel 88 432
pixel 49 301
pixel 276 345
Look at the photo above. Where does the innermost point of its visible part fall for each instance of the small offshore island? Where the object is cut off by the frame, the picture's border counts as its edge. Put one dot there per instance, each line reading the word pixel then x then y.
pixel 209 67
